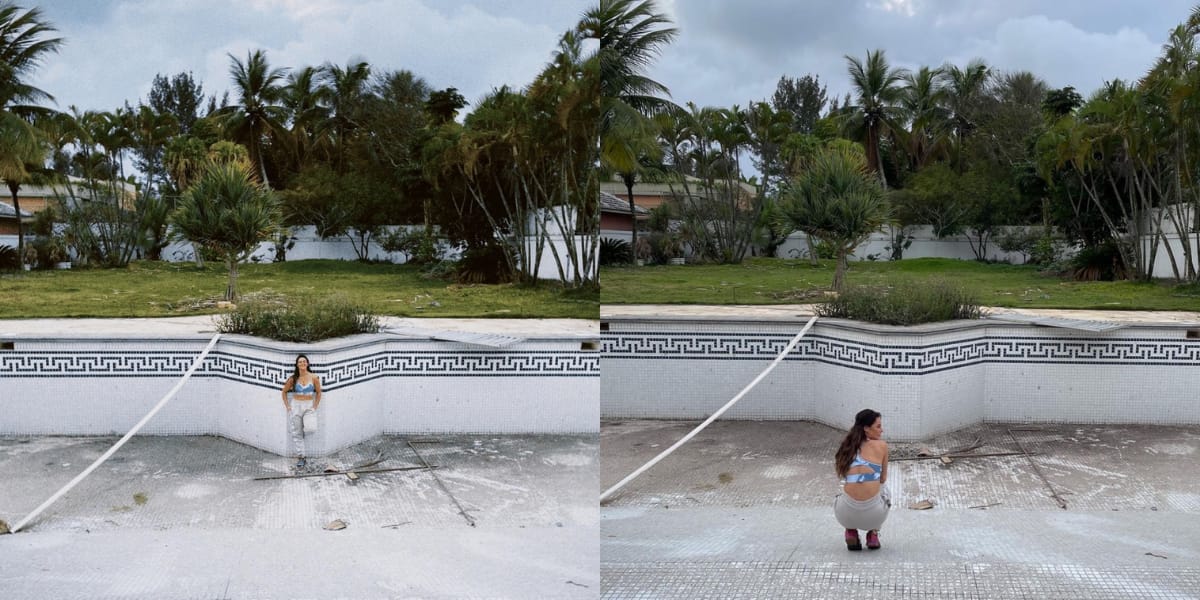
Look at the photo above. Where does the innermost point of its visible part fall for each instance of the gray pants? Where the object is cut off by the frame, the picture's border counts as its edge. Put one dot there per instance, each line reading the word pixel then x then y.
pixel 862 514
pixel 296 426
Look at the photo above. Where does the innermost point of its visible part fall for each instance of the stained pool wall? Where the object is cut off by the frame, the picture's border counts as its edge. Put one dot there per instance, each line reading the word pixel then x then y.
pixel 373 384
pixel 926 380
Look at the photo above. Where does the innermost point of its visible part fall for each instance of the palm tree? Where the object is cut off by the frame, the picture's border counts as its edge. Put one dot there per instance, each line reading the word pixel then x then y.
pixel 878 91
pixel 23 43
pixel 964 87
pixel 922 100
pixel 631 35
pixel 345 90
pixel 257 114
pixel 305 101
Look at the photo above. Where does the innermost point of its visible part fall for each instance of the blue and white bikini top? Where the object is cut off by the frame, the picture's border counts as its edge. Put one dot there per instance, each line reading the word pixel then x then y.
pixel 304 389
pixel 864 477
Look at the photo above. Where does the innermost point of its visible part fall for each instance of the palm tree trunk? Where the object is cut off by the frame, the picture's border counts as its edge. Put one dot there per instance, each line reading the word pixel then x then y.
pixel 629 181
pixel 13 187
pixel 839 273
pixel 231 288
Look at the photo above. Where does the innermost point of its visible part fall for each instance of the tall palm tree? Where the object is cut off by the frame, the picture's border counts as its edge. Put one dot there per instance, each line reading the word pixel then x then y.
pixel 877 88
pixel 631 33
pixel 964 88
pixel 922 100
pixel 23 44
pixel 257 114
pixel 305 100
pixel 346 88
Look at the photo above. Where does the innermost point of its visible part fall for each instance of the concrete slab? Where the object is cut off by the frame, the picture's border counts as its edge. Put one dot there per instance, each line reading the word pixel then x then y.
pixel 205 324
pixel 794 311
pixel 182 517
pixel 744 510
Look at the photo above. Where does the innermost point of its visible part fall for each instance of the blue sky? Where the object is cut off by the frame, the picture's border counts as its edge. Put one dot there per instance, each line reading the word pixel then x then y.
pixel 114 48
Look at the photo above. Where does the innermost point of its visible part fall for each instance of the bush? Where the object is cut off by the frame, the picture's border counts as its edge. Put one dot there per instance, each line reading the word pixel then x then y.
pixel 486 264
pixel 903 304
pixel 9 260
pixel 278 318
pixel 1098 263
pixel 418 245
pixel 615 252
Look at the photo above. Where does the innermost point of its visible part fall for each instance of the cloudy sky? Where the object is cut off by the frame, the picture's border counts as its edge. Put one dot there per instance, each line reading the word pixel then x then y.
pixel 733 52
pixel 114 48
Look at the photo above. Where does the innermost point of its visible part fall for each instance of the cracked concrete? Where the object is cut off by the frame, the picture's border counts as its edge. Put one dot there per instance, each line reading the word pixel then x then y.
pixel 183 517
pixel 744 510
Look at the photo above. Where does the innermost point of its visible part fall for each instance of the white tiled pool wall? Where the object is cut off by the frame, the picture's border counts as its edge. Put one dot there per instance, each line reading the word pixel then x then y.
pixel 372 385
pixel 925 380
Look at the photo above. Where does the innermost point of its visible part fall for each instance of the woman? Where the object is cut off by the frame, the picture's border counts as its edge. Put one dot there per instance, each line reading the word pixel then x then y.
pixel 304 389
pixel 861 461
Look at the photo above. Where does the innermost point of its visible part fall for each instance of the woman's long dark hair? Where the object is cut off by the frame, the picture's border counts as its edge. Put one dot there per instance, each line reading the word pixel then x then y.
pixel 854 440
pixel 295 378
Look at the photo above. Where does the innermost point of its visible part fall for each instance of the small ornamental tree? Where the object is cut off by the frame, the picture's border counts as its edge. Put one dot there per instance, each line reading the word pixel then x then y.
pixel 229 213
pixel 838 201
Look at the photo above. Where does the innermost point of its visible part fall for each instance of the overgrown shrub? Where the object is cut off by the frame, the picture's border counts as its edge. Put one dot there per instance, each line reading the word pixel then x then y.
pixel 487 264
pixel 1098 263
pixel 903 304
pixel 9 259
pixel 615 252
pixel 419 246
pixel 279 318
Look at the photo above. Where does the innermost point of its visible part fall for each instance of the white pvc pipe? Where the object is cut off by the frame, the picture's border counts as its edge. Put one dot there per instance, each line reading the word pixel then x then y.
pixel 714 416
pixel 121 442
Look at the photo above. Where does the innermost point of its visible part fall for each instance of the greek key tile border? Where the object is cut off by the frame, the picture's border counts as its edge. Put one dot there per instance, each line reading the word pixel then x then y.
pixel 900 359
pixel 337 374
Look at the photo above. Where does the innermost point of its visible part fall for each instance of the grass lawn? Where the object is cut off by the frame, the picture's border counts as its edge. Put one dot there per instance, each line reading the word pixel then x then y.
pixel 781 281
pixel 155 289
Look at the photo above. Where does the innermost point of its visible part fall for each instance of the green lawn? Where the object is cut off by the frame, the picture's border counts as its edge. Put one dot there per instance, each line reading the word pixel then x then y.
pixel 155 289
pixel 779 281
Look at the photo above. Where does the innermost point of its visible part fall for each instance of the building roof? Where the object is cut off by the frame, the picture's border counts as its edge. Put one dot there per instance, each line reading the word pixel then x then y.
pixel 78 185
pixel 613 204
pixel 8 212
pixel 642 188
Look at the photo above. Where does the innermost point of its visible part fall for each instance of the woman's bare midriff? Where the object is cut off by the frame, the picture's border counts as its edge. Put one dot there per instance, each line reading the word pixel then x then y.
pixel 861 491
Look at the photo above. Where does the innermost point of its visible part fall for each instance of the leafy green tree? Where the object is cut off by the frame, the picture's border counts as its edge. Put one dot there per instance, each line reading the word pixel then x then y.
pixel 180 96
pixel 804 98
pixel 443 105
pixel 228 213
pixel 1061 102
pixel 838 201
pixel 24 42
pixel 932 196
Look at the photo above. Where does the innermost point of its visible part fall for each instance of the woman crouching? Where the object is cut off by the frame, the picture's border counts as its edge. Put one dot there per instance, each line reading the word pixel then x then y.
pixel 861 461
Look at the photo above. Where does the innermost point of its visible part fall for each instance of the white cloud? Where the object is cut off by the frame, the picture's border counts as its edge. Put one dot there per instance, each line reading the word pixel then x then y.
pixel 1063 54
pixel 113 55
